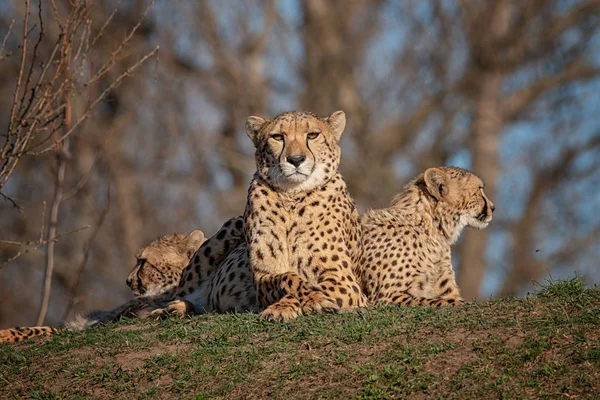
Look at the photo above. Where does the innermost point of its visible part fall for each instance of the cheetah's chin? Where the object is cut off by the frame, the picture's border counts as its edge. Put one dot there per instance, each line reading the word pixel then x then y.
pixel 296 177
pixel 480 223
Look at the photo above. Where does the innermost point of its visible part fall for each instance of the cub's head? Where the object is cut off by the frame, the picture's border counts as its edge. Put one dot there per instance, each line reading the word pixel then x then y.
pixel 460 194
pixel 297 151
pixel 159 264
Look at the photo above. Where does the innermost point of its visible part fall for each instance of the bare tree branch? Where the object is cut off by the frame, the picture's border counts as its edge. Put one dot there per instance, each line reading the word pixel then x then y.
pixel 62 155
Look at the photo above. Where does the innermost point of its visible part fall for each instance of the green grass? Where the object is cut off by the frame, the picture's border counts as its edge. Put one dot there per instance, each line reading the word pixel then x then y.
pixel 544 346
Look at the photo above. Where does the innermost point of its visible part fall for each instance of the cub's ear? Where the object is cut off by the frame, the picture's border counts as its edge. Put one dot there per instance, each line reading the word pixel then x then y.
pixel 436 182
pixel 193 241
pixel 337 120
pixel 253 125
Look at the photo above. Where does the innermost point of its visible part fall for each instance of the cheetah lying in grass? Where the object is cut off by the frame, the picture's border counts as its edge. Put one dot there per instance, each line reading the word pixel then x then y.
pixel 301 229
pixel 154 279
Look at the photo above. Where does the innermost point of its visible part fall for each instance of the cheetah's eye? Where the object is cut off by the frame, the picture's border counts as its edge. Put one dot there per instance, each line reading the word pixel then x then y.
pixel 313 135
pixel 277 136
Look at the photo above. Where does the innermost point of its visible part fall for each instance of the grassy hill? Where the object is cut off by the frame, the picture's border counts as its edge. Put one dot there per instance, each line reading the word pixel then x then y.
pixel 543 346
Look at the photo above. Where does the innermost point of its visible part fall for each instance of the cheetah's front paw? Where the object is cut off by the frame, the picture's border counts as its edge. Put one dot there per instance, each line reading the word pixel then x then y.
pixel 318 302
pixel 178 308
pixel 284 310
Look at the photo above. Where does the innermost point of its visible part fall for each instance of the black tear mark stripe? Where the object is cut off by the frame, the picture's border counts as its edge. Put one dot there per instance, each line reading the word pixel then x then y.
pixel 282 150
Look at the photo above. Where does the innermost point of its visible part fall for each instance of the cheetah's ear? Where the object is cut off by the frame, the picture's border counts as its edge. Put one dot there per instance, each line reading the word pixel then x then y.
pixel 193 241
pixel 435 180
pixel 337 120
pixel 253 125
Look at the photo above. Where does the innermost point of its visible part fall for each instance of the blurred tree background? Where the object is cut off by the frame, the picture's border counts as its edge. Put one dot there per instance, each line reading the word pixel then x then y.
pixel 137 143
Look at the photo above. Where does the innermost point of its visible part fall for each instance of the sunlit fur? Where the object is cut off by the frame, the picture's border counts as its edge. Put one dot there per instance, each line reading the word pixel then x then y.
pixel 406 247
pixel 462 204
pixel 412 236
pixel 286 136
pixel 159 264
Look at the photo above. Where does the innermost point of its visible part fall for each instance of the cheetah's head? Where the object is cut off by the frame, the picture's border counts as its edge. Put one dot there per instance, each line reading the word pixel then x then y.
pixel 460 194
pixel 159 264
pixel 297 151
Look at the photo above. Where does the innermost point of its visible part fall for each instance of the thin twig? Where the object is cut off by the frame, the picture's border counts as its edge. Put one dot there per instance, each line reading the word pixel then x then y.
pixel 56 16
pixel 103 95
pixel 110 17
pixel 31 68
pixel 85 176
pixel 43 222
pixel 14 203
pixel 113 57
pixel 2 57
pixel 21 68
pixel 36 245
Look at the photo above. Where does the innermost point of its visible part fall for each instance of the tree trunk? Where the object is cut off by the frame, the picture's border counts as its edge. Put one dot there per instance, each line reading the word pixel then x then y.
pixel 483 141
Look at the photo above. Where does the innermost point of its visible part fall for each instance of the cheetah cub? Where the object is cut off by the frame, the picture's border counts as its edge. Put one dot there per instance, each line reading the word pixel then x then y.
pixel 406 247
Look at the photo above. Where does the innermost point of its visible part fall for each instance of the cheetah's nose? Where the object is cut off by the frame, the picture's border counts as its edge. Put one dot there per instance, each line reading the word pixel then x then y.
pixel 296 160
pixel 493 207
pixel 129 282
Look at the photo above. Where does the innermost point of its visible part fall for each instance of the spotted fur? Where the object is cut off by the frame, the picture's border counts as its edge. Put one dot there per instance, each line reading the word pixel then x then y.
pixel 300 228
pixel 405 255
pixel 406 248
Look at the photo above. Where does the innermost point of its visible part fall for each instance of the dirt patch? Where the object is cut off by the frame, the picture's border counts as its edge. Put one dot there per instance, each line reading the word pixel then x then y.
pixel 135 359
pixel 449 362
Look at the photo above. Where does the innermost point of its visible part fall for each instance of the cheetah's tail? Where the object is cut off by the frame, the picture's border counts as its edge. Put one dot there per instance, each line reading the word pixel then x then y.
pixel 439 301
pixel 139 308
pixel 18 334
pixel 407 299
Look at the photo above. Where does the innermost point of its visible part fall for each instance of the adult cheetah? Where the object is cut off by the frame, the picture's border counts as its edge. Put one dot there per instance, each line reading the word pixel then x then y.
pixel 406 255
pixel 154 279
pixel 301 227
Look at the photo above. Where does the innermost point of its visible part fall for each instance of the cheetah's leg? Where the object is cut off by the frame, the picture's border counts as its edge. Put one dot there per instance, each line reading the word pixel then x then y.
pixel 337 280
pixel 439 292
pixel 269 256
pixel 450 295
pixel 287 308
pixel 287 295
pixel 425 289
